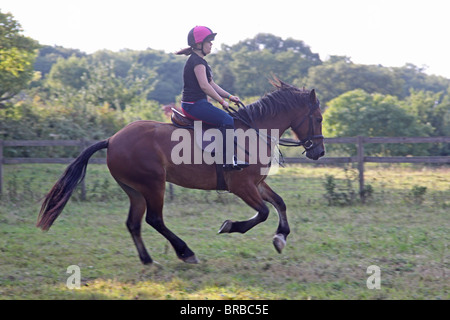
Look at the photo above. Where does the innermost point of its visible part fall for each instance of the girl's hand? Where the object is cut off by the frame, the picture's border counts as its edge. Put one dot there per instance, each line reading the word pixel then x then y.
pixel 234 99
pixel 224 104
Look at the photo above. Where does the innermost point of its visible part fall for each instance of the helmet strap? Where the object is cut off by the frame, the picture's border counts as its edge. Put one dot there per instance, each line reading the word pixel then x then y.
pixel 202 49
pixel 196 48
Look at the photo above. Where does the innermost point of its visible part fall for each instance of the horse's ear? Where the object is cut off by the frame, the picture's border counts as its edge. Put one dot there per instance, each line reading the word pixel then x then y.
pixel 312 96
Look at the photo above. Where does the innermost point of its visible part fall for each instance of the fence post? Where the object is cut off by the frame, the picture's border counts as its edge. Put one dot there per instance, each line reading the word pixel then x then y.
pixel 360 157
pixel 83 183
pixel 1 167
pixel 171 196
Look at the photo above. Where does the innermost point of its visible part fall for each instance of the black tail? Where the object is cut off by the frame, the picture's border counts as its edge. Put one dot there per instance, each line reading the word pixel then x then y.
pixel 57 198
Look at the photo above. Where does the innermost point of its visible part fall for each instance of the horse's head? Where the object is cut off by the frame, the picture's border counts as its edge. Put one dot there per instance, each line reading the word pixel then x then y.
pixel 308 127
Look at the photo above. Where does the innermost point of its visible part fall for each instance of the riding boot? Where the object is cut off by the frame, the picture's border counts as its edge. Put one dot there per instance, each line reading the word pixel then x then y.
pixel 230 161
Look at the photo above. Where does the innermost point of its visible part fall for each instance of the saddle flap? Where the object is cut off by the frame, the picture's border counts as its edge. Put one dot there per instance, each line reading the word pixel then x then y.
pixel 180 119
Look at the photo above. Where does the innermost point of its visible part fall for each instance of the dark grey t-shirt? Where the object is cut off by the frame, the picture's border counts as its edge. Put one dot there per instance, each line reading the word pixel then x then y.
pixel 191 90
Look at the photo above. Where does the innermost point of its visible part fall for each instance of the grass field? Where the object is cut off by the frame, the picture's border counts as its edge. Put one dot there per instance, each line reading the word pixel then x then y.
pixel 402 228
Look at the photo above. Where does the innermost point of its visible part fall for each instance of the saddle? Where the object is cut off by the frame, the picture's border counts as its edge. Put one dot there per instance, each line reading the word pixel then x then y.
pixel 181 121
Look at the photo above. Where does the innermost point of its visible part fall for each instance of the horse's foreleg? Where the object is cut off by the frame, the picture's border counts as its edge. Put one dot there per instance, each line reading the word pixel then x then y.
pixel 279 240
pixel 253 198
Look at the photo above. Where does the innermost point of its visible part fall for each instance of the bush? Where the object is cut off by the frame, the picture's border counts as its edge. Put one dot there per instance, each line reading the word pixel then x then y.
pixel 38 120
pixel 338 196
pixel 417 194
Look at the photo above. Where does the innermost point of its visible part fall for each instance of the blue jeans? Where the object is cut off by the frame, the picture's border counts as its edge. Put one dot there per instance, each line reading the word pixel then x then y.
pixel 206 112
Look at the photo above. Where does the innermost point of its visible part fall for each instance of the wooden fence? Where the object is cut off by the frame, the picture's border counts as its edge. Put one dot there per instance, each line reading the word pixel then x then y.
pixel 358 141
pixel 361 159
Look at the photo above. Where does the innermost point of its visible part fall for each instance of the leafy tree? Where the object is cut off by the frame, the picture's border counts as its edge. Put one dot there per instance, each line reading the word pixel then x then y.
pixel 120 62
pixel 105 86
pixel 415 78
pixel 424 106
pixel 17 54
pixel 116 82
pixel 443 110
pixel 358 113
pixel 274 44
pixel 161 72
pixel 433 110
pixel 68 74
pixel 339 75
pixel 246 67
pixel 443 129
pixel 168 70
pixel 49 55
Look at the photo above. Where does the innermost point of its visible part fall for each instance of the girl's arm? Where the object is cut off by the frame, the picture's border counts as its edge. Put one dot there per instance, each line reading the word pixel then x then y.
pixel 224 93
pixel 210 88
pixel 219 90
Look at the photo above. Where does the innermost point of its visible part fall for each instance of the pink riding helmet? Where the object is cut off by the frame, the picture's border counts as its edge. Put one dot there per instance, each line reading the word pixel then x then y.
pixel 200 34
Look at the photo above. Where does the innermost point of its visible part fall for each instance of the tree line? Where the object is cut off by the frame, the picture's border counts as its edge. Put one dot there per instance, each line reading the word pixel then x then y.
pixel 49 92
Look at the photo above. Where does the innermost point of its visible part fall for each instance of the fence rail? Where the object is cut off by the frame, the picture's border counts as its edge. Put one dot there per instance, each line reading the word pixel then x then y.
pixel 358 141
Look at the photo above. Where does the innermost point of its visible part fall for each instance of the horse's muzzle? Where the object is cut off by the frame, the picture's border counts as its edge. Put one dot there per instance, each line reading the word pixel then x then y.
pixel 315 152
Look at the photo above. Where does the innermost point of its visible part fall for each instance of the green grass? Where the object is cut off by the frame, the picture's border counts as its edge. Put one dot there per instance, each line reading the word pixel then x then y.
pixel 326 256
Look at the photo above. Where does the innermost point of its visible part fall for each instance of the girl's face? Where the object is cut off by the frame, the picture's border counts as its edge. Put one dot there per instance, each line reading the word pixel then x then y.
pixel 207 47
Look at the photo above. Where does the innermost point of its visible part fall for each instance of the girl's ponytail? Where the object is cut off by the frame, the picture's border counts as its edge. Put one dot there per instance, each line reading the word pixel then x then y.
pixel 186 51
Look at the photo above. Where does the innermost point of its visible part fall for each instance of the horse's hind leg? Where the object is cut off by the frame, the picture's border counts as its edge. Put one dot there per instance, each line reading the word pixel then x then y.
pixel 279 240
pixel 134 221
pixel 154 196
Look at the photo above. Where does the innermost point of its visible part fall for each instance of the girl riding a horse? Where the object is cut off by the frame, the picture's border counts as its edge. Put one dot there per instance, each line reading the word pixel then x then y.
pixel 139 156
pixel 199 85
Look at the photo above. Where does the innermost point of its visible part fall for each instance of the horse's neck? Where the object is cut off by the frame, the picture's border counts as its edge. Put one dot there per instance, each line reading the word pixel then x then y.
pixel 279 122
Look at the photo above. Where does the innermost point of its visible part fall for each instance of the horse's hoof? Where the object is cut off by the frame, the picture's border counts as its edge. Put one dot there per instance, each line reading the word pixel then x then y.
pixel 279 242
pixel 226 226
pixel 192 259
pixel 147 260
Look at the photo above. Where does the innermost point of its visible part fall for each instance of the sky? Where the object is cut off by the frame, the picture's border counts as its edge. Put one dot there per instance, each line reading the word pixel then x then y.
pixel 387 32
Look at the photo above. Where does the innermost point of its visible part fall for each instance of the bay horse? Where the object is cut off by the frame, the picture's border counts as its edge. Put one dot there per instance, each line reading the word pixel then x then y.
pixel 139 159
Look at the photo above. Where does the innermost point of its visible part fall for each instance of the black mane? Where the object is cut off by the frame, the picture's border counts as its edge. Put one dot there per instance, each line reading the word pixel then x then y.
pixel 284 99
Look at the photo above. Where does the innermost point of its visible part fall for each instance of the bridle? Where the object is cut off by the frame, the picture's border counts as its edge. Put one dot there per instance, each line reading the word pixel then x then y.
pixel 306 143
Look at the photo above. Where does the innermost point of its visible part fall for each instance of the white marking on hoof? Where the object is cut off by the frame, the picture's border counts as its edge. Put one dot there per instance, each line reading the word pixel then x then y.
pixel 192 260
pixel 279 242
pixel 226 226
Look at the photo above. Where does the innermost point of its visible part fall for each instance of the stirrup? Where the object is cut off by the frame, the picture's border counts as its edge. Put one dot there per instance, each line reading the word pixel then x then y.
pixel 231 167
pixel 236 165
pixel 241 164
